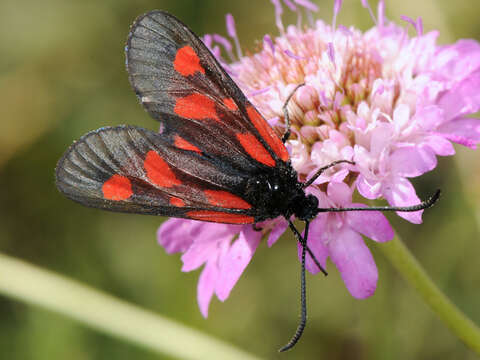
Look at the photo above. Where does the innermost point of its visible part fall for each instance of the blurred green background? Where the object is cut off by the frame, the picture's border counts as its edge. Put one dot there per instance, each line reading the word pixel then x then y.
pixel 62 74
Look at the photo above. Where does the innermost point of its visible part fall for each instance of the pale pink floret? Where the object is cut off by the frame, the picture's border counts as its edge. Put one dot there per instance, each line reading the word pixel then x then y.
pixel 390 102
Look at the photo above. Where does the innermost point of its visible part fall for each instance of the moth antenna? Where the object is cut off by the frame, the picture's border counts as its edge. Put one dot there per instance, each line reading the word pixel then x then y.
pixel 423 205
pixel 286 134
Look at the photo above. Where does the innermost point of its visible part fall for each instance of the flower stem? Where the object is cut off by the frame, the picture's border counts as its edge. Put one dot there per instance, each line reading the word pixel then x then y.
pixel 404 261
pixel 105 313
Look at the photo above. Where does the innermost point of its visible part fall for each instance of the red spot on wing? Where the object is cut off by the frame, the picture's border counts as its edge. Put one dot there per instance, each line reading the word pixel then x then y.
pixel 177 202
pixel 230 104
pixel 226 200
pixel 117 188
pixel 220 217
pixel 187 62
pixel 158 171
pixel 255 149
pixel 267 133
pixel 196 106
pixel 181 143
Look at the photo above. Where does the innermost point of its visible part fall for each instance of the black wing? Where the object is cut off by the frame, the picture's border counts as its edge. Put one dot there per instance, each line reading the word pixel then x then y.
pixel 130 169
pixel 180 83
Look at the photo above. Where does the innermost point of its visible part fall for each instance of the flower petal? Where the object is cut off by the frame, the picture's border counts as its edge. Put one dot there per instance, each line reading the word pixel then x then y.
pixel 206 286
pixel 209 240
pixel 401 192
pixel 176 235
pixel 316 238
pixel 459 60
pixel 339 193
pixel 464 131
pixel 440 145
pixel 355 263
pixel 412 161
pixel 236 260
pixel 373 224
pixel 369 189
pixel 463 98
pixel 429 117
pixel 277 231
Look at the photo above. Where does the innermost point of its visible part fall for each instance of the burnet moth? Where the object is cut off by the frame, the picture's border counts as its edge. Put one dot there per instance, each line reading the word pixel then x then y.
pixel 215 158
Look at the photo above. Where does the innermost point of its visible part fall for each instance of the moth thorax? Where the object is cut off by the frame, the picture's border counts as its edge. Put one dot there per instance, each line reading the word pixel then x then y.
pixel 268 193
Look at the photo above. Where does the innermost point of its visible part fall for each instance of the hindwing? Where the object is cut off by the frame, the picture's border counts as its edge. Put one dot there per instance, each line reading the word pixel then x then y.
pixel 130 169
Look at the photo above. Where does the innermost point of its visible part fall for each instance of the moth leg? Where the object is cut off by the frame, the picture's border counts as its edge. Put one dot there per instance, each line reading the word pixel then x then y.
pixel 256 228
pixel 299 238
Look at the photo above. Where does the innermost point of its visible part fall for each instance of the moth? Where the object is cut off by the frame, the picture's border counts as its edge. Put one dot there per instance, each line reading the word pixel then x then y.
pixel 215 157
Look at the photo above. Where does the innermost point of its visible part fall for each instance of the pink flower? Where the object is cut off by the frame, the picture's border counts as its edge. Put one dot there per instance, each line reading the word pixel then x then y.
pixel 210 245
pixel 338 235
pixel 389 102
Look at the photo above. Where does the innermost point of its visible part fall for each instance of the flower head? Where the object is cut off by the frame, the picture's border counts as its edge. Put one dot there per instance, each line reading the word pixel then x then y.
pixel 390 102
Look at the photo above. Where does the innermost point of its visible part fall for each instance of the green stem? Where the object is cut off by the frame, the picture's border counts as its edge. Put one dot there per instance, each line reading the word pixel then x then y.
pixel 105 313
pixel 404 261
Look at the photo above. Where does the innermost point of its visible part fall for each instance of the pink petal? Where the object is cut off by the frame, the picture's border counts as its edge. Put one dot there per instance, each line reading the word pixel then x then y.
pixel 223 41
pixel 463 98
pixel 277 231
pixel 339 193
pixel 336 6
pixel 267 39
pixel 419 26
pixel 236 260
pixel 381 13
pixel 412 161
pixel 206 286
pixel 209 241
pixel 459 60
pixel 440 145
pixel 462 140
pixel 372 224
pixel 176 235
pixel 401 116
pixel 408 20
pixel 355 263
pixel 382 135
pixel 307 5
pixel 290 5
pixel 429 117
pixel 232 32
pixel 316 238
pixel 331 52
pixel 464 131
pixel 199 253
pixel 369 189
pixel 400 192
pixel 339 176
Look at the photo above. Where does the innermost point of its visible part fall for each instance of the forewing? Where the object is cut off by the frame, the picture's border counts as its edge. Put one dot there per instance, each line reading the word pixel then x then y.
pixel 130 169
pixel 180 83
